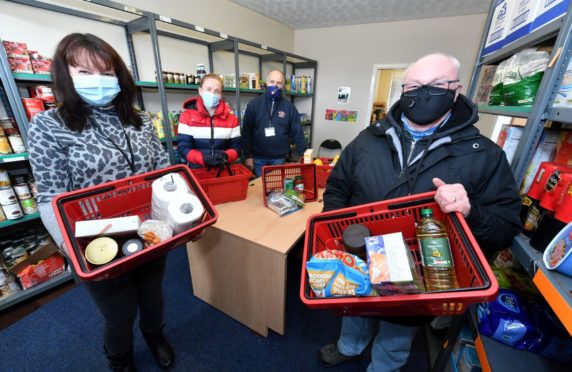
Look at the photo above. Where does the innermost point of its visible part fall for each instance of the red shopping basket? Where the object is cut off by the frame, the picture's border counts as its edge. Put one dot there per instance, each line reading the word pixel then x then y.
pixel 476 280
pixel 226 187
pixel 322 171
pixel 273 179
pixel 126 197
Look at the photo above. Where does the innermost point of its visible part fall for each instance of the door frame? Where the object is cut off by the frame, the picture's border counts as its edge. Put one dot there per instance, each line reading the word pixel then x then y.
pixel 373 83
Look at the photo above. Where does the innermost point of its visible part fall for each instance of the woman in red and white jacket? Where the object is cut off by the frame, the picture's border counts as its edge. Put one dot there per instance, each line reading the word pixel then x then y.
pixel 209 132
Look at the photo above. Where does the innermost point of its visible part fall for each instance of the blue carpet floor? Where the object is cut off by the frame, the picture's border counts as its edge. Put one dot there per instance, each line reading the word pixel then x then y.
pixel 65 334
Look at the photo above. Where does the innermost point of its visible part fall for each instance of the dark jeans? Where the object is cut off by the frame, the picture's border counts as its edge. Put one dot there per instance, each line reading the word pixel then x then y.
pixel 260 162
pixel 118 299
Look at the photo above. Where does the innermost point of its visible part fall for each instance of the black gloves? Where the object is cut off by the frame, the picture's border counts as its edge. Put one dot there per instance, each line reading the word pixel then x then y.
pixel 218 159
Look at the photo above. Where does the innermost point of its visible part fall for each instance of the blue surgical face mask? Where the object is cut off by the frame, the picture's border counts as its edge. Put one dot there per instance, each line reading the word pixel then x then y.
pixel 273 92
pixel 97 90
pixel 210 100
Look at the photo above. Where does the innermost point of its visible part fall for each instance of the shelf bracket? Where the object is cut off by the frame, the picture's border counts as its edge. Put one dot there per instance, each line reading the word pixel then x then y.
pixel 222 45
pixel 275 57
pixel 140 24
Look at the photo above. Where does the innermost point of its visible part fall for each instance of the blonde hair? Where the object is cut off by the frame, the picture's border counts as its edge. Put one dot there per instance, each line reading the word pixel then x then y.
pixel 209 76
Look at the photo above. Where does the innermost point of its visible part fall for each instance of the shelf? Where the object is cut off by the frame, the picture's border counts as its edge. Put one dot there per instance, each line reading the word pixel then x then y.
pixel 555 288
pixel 33 78
pixel 37 289
pixel 243 90
pixel 153 84
pixel 26 218
pixel 295 94
pixel 537 36
pixel 14 157
pixel 496 356
pixel 563 114
pixel 515 111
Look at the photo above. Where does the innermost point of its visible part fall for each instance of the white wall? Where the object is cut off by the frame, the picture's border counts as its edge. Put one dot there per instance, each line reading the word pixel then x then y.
pixel 41 30
pixel 346 56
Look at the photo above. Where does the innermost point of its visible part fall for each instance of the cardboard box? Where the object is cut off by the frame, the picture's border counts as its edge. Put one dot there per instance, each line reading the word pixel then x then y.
pixel 44 270
pixel 32 106
pixel 41 66
pixel 107 226
pixel 40 254
pixel 15 49
pixel 391 269
pixel 544 152
pixel 521 19
pixel 564 149
pixel 308 156
pixel 485 84
pixel 499 25
pixel 508 140
pixel 20 64
pixel 548 11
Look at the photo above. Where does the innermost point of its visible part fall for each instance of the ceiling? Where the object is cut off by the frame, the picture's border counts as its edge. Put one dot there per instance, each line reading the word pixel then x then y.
pixel 300 14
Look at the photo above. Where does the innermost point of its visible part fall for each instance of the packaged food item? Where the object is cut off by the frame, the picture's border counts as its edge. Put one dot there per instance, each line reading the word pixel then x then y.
pixel 281 204
pixel 108 226
pixel 391 266
pixel 101 251
pixel 337 273
pixel 354 237
pixel 299 184
pixel 154 232
pixel 437 260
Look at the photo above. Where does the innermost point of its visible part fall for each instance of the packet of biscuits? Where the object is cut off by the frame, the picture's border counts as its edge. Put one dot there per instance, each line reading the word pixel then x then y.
pixel 391 266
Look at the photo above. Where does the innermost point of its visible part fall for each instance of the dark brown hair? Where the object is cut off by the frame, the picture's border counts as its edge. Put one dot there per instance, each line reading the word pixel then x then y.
pixel 72 51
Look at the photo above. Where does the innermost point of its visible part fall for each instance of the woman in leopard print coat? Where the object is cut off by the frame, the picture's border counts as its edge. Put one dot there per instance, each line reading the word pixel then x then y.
pixel 96 136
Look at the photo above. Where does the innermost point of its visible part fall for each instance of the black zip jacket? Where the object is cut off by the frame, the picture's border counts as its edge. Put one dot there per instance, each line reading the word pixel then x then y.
pixel 374 167
pixel 286 124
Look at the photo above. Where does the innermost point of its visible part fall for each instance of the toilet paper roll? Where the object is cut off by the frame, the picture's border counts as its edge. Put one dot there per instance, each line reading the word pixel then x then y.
pixel 184 212
pixel 165 190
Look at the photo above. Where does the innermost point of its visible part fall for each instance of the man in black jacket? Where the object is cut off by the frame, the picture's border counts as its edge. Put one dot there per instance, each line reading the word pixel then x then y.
pixel 427 142
pixel 271 123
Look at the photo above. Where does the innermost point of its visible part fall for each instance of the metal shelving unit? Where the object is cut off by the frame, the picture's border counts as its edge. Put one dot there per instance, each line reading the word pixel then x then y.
pixel 35 290
pixel 134 21
pixel 556 288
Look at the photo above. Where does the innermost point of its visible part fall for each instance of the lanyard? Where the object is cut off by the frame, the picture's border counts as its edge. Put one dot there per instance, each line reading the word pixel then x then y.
pixel 272 113
pixel 130 160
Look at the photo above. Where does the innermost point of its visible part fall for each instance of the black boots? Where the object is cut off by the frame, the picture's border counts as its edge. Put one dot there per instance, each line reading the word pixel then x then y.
pixel 121 362
pixel 159 346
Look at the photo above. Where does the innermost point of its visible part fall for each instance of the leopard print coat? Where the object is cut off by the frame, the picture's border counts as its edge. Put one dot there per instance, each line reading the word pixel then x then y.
pixel 63 160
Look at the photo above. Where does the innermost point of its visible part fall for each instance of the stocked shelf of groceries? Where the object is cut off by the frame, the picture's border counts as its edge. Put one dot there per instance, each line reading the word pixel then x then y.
pixel 522 71
pixel 6 302
pixel 24 218
pixel 515 111
pixel 555 287
pixel 496 356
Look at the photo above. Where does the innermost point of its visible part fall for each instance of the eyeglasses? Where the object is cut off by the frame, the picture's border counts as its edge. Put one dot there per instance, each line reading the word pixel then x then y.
pixel 434 89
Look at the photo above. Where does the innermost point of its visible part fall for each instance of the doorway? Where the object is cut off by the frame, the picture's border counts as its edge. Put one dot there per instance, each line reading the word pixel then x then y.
pixel 385 89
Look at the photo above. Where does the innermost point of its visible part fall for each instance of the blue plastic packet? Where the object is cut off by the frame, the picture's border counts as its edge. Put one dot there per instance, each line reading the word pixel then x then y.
pixel 337 273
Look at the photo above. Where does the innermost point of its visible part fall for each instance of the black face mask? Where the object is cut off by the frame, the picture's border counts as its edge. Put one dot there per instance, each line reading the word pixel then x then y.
pixel 422 107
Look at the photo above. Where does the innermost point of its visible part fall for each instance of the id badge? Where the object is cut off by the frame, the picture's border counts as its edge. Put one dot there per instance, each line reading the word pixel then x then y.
pixel 269 132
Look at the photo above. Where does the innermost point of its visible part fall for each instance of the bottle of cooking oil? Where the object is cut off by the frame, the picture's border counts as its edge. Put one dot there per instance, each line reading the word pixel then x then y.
pixel 437 260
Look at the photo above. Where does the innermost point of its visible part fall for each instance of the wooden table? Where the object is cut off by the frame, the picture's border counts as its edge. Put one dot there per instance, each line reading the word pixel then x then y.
pixel 239 265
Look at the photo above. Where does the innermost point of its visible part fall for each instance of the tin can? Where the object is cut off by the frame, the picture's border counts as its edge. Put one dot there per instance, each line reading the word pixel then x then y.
pixel 22 191
pixel 7 196
pixel 29 206
pixel 33 188
pixel 7 123
pixel 13 211
pixel 16 141
pixel 4 144
pixel 4 178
